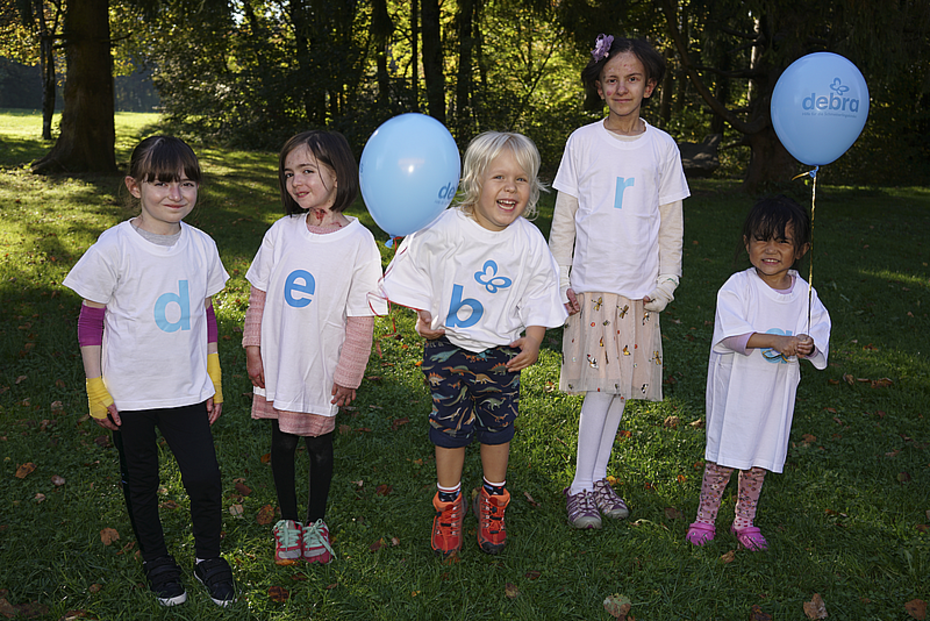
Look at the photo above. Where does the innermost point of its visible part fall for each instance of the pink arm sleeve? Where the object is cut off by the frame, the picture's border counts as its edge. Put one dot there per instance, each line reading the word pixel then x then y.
pixel 737 343
pixel 252 330
pixel 90 325
pixel 212 330
pixel 355 351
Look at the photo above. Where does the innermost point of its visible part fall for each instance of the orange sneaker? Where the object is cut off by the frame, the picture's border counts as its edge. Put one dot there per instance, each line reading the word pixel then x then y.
pixel 446 538
pixel 492 531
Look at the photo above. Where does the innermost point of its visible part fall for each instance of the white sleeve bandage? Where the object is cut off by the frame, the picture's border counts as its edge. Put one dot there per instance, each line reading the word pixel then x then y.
pixel 562 238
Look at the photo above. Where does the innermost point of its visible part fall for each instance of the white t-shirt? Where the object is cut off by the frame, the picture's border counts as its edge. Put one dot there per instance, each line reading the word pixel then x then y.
pixel 484 287
pixel 155 331
pixel 750 398
pixel 312 283
pixel 619 185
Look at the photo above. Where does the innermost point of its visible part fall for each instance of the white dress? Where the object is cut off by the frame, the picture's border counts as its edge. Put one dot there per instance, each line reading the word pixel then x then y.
pixel 750 397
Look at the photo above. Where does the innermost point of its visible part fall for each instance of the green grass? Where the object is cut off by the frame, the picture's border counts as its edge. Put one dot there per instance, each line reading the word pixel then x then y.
pixel 847 519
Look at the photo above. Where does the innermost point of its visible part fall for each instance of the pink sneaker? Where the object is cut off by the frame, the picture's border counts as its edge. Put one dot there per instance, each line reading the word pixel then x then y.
pixel 316 543
pixel 750 538
pixel 700 533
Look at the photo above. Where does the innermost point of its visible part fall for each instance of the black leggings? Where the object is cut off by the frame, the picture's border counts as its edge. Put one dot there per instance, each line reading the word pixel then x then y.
pixel 320 452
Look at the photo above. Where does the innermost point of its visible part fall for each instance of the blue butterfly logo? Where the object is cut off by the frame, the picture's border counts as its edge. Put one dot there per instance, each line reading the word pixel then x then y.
pixel 839 87
pixel 489 278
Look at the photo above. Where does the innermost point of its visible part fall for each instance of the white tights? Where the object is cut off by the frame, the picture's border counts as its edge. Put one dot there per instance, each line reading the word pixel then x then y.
pixel 600 418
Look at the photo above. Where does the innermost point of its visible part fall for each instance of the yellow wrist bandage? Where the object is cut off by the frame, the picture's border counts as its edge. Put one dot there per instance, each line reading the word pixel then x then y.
pixel 98 398
pixel 216 374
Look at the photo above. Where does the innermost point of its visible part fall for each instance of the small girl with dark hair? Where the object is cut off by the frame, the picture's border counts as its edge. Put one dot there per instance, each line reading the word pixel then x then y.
pixel 309 326
pixel 148 285
pixel 616 235
pixel 767 319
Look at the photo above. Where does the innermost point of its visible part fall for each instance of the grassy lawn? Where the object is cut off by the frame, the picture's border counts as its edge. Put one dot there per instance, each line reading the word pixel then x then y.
pixel 849 519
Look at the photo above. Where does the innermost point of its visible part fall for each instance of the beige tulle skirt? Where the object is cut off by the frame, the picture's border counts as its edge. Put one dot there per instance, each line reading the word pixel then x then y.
pixel 613 345
pixel 296 423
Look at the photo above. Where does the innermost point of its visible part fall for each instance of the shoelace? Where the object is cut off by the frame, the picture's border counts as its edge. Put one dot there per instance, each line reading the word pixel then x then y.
pixel 606 495
pixel 313 537
pixel 287 535
pixel 582 503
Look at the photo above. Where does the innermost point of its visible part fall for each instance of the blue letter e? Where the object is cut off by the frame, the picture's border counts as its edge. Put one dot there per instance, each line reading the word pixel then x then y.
pixel 183 300
pixel 300 281
pixel 477 310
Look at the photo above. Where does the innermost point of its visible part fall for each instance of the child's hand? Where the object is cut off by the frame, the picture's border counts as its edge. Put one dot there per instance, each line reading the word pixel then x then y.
pixel 787 346
pixel 805 346
pixel 342 396
pixel 529 349
pixel 572 306
pixel 661 296
pixel 424 320
pixel 112 420
pixel 214 410
pixel 253 363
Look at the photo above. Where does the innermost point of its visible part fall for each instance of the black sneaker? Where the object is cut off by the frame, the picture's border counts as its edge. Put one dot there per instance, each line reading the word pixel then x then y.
pixel 164 577
pixel 216 575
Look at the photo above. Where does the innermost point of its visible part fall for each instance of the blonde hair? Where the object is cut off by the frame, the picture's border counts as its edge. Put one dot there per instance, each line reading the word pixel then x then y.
pixel 482 150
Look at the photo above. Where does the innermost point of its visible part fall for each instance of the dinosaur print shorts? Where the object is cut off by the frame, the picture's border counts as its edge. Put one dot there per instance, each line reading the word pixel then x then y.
pixel 474 395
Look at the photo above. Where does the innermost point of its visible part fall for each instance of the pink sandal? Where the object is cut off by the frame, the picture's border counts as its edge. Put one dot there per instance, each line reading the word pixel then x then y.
pixel 750 538
pixel 700 533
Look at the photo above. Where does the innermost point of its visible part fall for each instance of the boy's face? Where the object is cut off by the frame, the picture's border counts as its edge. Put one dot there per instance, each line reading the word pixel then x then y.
pixel 623 85
pixel 505 192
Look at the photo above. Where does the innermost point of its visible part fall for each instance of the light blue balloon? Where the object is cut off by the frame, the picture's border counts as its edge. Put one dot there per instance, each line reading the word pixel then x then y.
pixel 819 107
pixel 409 173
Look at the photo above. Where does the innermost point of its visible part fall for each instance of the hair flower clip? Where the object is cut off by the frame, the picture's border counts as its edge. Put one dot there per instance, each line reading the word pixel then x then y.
pixel 602 46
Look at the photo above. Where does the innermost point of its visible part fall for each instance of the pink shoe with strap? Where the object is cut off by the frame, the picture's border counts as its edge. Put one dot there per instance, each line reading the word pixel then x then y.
pixel 750 538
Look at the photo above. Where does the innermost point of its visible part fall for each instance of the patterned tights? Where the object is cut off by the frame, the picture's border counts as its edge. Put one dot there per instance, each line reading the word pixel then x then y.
pixel 747 499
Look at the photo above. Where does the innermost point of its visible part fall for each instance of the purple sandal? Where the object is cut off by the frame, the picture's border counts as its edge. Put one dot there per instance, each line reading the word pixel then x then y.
pixel 700 533
pixel 750 538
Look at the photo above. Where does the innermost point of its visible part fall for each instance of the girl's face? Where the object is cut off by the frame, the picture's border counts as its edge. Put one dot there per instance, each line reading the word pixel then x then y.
pixel 772 258
pixel 311 184
pixel 505 192
pixel 164 203
pixel 623 85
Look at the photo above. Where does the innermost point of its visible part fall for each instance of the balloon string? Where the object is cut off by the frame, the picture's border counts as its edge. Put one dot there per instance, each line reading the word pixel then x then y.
pixel 810 277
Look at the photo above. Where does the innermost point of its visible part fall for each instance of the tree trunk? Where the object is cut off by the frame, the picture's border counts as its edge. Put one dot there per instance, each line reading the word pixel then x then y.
pixel 432 60
pixel 47 68
pixel 87 139
pixel 463 85
pixel 414 53
pixel 769 162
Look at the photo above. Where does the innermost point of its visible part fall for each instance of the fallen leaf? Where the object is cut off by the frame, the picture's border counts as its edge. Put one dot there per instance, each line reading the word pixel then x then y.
pixel 266 458
pixel 73 615
pixel 7 609
pixel 25 470
pixel 56 406
pixel 881 383
pixel 278 594
pixel 532 574
pixel 103 441
pixel 756 614
pixel 398 422
pixel 904 477
pixel 698 424
pixel 265 515
pixel 815 609
pixel 917 609
pixel 21 379
pixel 39 497
pixel 57 481
pixel 531 500
pixel 170 504
pixel 108 536
pixel 383 490
pixel 95 588
pixel 849 379
pixel 671 422
pixel 617 606
pixel 511 591
pixel 729 557
pixel 299 577
pixel 344 429
pixel 671 513
pixel 235 510
pixel 376 545
pixel 395 541
pixel 242 488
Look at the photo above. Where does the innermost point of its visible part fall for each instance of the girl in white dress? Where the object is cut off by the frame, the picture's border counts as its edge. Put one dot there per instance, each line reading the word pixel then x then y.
pixel 767 319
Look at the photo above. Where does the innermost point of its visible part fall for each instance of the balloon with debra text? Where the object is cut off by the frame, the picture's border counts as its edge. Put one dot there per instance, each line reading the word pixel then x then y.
pixel 819 107
pixel 408 173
